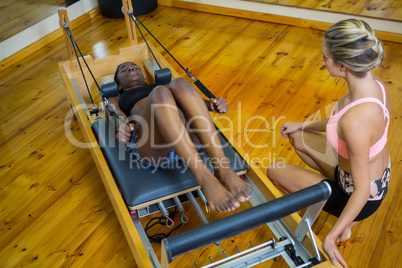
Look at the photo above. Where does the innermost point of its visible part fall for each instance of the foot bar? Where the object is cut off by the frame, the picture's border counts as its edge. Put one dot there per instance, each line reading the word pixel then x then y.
pixel 245 220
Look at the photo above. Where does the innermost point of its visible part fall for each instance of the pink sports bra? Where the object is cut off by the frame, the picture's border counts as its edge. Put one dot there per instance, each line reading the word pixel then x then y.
pixel 332 126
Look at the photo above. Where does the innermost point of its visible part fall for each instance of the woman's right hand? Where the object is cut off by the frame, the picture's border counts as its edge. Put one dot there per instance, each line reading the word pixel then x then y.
pixel 332 250
pixel 124 132
pixel 290 127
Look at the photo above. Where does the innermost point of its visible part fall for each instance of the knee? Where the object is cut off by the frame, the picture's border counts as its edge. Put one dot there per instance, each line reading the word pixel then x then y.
pixel 274 170
pixel 181 85
pixel 161 94
pixel 296 139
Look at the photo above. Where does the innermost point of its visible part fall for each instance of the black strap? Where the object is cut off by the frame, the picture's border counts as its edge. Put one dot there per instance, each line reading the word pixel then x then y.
pixel 203 89
pixel 196 82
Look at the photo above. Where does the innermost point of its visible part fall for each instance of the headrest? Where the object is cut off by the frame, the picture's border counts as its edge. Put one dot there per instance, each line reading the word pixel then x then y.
pixel 108 90
pixel 163 76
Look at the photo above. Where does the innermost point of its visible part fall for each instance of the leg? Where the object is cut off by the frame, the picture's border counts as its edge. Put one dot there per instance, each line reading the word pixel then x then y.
pixel 166 128
pixel 313 148
pixel 200 121
pixel 290 178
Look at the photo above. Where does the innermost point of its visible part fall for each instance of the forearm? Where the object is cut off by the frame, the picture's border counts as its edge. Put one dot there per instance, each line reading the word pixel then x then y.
pixel 355 204
pixel 116 110
pixel 120 114
pixel 315 125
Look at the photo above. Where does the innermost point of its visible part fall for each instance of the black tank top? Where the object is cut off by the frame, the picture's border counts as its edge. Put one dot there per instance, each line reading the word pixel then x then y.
pixel 130 97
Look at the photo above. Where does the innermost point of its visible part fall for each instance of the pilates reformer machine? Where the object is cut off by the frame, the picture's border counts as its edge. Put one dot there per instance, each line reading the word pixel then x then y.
pixel 136 192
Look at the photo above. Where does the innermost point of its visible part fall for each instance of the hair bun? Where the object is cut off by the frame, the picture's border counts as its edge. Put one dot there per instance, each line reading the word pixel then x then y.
pixel 353 43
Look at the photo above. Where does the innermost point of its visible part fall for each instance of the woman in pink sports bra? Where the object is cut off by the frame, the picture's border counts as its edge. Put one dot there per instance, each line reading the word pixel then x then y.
pixel 353 155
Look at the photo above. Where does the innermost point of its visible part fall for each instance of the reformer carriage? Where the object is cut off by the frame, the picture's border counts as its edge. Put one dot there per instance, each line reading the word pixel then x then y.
pixel 137 192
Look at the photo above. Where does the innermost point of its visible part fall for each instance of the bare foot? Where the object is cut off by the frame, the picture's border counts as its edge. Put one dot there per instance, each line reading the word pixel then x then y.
pixel 346 234
pixel 239 188
pixel 219 199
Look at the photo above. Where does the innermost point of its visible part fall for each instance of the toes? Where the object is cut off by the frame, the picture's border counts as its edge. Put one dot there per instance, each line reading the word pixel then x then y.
pixel 235 203
pixel 243 196
pixel 231 204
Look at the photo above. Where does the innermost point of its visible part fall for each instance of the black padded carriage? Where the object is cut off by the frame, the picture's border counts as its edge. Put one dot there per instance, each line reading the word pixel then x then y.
pixel 139 184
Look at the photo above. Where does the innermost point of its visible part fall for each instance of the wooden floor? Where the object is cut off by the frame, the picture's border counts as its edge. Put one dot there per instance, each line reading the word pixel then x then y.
pixel 16 16
pixel 54 210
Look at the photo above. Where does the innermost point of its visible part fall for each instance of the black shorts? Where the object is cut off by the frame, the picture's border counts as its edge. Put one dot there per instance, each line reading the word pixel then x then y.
pixel 338 200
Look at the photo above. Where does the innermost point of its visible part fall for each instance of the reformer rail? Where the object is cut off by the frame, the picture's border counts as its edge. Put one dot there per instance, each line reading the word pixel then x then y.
pixel 245 220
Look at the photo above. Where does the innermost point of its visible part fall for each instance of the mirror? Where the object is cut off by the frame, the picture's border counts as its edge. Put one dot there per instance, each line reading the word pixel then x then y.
pixel 385 9
pixel 23 22
pixel 16 16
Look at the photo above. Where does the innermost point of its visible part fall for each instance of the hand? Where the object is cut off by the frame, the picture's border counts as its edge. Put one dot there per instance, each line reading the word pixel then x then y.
pixel 124 132
pixel 332 250
pixel 290 127
pixel 218 105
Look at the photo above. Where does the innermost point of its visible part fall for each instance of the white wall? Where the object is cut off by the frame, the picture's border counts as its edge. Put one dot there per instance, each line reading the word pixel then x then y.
pixel 23 39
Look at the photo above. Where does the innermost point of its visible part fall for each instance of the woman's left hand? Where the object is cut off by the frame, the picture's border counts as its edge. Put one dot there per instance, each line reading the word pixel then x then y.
pixel 218 105
pixel 332 250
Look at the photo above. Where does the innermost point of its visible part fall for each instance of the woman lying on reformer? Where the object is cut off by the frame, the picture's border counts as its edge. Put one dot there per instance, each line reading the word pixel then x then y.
pixel 160 132
pixel 359 171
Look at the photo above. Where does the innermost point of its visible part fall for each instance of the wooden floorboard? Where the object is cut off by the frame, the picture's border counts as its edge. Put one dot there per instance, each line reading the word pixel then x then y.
pixel 16 16
pixel 54 210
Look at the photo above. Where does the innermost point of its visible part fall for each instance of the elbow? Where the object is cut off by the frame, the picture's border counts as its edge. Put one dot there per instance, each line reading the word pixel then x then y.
pixel 362 194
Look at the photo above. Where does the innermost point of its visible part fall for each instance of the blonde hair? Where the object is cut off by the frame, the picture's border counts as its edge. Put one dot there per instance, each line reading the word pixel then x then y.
pixel 353 43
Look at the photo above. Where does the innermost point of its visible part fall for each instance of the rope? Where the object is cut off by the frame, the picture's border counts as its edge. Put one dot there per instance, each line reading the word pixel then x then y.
pixel 143 37
pixel 136 19
pixel 75 47
pixel 160 221
pixel 197 82
pixel 94 110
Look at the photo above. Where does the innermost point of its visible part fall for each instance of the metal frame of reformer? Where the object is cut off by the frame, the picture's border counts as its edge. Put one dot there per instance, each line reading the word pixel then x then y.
pixel 262 212
pixel 138 242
